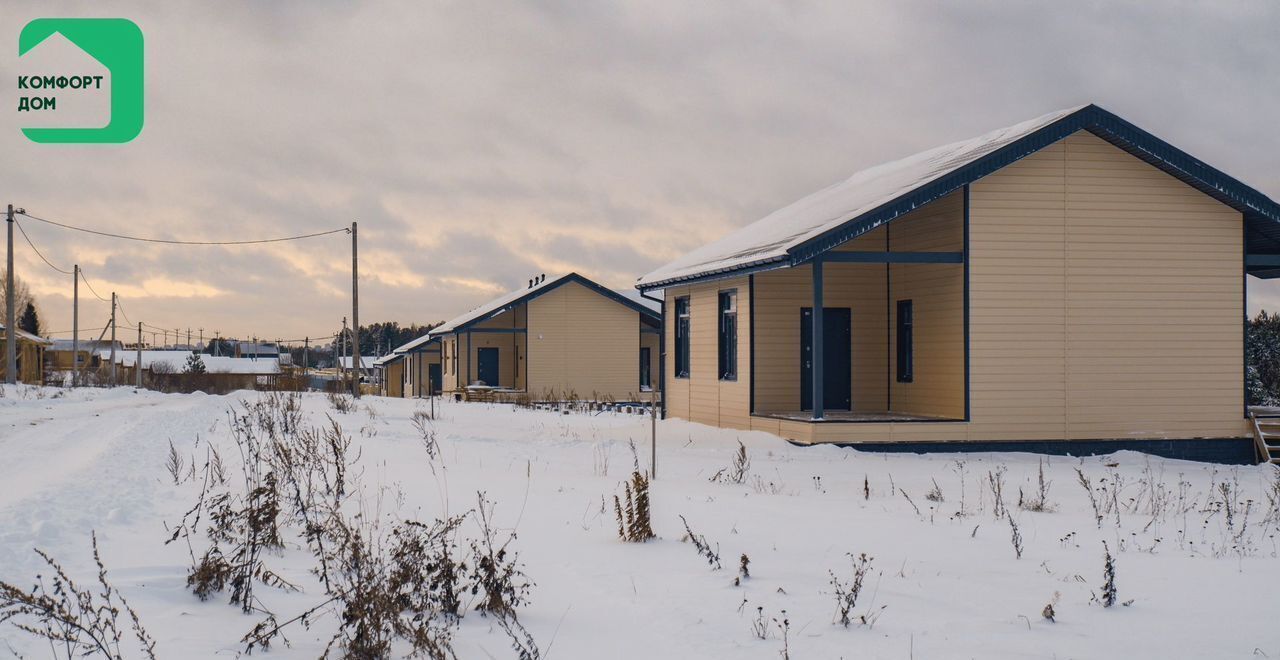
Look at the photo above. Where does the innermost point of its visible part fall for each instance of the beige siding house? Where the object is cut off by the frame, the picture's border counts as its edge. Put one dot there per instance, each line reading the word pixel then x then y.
pixel 1070 284
pixel 390 370
pixel 566 337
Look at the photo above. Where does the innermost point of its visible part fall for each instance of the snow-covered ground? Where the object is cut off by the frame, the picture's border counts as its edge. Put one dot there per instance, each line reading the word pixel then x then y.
pixel 945 580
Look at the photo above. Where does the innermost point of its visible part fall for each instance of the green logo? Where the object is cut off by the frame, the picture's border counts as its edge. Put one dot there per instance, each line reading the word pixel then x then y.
pixel 116 43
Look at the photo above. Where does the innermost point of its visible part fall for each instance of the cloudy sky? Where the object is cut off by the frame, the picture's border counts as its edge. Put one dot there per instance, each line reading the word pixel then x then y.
pixel 479 143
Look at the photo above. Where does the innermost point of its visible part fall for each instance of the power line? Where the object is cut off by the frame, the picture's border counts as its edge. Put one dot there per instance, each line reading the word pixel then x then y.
pixel 86 283
pixel 176 242
pixel 37 250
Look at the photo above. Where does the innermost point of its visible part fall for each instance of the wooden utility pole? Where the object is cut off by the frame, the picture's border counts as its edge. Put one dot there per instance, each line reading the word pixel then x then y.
pixel 137 361
pixel 75 325
pixel 113 338
pixel 306 348
pixel 355 314
pixel 10 326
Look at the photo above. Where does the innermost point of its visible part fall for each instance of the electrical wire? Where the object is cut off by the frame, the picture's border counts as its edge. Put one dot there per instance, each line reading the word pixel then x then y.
pixel 177 242
pixel 129 324
pixel 37 251
pixel 86 283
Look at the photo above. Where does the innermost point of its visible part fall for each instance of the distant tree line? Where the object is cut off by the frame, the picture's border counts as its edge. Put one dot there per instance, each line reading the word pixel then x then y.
pixel 380 338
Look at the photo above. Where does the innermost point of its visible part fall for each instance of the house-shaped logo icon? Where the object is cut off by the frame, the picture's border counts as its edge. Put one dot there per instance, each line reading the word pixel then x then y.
pixel 115 44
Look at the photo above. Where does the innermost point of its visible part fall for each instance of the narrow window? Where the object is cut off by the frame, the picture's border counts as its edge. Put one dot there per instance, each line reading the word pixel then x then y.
pixel 906 352
pixel 645 381
pixel 682 337
pixel 728 335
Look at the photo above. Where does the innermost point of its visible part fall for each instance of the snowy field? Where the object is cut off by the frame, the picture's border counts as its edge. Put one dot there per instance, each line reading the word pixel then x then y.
pixel 1194 545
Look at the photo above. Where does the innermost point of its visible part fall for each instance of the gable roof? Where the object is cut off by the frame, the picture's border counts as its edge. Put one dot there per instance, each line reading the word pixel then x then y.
pixel 798 232
pixel 416 344
pixel 510 300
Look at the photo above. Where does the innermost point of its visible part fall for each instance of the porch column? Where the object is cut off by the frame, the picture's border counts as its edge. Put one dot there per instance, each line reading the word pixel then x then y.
pixel 817 329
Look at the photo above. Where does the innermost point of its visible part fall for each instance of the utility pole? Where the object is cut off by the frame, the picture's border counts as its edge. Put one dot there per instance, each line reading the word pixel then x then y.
pixel 75 324
pixel 10 326
pixel 306 348
pixel 113 338
pixel 137 361
pixel 342 352
pixel 201 344
pixel 355 314
pixel 188 337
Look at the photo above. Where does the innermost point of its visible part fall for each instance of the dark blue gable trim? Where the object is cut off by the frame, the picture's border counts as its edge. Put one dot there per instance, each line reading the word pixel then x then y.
pixel 1261 214
pixel 571 277
pixel 1105 125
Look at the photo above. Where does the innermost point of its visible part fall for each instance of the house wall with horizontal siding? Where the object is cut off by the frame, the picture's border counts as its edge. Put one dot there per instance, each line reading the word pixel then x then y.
pixel 703 397
pixel 1105 303
pixel 582 342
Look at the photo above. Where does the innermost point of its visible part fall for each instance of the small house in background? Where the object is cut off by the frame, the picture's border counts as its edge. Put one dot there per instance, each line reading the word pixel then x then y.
pixel 422 371
pixel 257 350
pixel 1070 284
pixel 30 356
pixel 346 362
pixel 390 378
pixel 555 338
pixel 168 371
pixel 60 356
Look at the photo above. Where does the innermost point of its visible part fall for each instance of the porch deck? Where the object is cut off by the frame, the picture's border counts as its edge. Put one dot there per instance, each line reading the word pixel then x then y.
pixel 850 417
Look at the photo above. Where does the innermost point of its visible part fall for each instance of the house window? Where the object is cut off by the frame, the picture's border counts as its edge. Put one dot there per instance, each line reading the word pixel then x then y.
pixel 728 306
pixel 682 337
pixel 906 347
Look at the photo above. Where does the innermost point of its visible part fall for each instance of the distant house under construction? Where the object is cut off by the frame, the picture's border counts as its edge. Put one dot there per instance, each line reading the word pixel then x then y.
pixel 30 356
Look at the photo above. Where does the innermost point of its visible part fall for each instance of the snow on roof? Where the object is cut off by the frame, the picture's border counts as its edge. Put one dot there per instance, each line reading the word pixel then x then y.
pixel 770 238
pixel 389 357
pixel 496 304
pixel 176 361
pixel 28 336
pixel 258 348
pixel 366 361
pixel 410 345
pixel 635 297
pixel 89 345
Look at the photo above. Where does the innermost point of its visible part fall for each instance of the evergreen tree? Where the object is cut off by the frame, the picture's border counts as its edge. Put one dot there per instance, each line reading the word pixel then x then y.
pixel 1262 359
pixel 194 365
pixel 29 320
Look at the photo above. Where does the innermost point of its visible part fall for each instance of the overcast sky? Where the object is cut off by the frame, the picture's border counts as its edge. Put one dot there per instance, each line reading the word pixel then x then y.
pixel 480 143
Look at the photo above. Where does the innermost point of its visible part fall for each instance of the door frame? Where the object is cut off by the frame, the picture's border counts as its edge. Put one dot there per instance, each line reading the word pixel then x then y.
pixel 497 365
pixel 806 339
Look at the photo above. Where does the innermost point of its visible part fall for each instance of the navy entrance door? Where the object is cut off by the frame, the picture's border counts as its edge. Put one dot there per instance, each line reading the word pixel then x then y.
pixel 837 367
pixel 433 373
pixel 487 366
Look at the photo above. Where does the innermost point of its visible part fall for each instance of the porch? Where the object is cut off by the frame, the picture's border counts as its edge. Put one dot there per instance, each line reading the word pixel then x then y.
pixel 874 330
